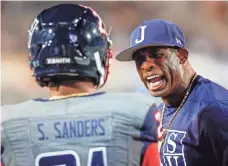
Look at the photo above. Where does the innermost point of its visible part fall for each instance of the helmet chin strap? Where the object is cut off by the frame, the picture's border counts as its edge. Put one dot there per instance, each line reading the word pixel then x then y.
pixel 100 69
pixel 108 62
pixel 104 71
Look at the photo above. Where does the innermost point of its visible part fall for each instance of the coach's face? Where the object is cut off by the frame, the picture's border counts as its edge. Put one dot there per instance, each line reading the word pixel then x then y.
pixel 160 69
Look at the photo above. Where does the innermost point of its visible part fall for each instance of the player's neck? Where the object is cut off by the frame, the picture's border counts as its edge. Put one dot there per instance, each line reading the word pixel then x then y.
pixel 71 88
pixel 175 98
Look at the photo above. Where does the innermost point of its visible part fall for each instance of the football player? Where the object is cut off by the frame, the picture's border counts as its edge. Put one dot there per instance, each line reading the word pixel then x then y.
pixel 70 53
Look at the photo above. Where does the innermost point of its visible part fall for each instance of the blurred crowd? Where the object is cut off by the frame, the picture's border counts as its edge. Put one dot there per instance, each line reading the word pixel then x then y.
pixel 205 25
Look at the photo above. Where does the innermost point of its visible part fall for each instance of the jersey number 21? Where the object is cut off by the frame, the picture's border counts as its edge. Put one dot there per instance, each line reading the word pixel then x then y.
pixel 96 157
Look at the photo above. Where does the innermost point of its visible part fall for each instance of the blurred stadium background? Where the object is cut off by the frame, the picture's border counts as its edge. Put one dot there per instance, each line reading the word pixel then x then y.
pixel 205 25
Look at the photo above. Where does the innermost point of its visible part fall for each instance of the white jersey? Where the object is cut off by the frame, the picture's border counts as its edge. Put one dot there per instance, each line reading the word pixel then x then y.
pixel 97 130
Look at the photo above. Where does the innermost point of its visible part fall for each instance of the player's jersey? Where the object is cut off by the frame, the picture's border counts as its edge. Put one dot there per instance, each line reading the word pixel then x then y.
pixel 198 135
pixel 97 130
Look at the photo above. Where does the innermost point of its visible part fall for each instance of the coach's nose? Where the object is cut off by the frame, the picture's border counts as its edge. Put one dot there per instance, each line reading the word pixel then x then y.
pixel 149 64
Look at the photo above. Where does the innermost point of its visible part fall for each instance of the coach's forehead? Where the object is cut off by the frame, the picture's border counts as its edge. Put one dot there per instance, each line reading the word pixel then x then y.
pixel 151 50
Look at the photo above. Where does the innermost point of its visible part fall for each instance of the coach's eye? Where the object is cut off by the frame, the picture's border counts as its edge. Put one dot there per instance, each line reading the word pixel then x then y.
pixel 139 59
pixel 158 54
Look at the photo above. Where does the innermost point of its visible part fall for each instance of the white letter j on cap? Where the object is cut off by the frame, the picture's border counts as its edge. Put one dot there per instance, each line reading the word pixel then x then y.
pixel 142 34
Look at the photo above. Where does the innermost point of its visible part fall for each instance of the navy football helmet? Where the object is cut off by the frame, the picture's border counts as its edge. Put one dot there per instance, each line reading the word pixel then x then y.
pixel 69 42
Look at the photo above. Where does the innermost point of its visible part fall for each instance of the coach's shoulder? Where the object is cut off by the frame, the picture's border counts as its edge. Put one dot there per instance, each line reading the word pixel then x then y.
pixel 216 113
pixel 213 124
pixel 209 91
pixel 218 106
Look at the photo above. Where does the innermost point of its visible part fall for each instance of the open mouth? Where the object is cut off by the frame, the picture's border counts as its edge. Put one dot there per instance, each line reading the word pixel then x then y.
pixel 156 82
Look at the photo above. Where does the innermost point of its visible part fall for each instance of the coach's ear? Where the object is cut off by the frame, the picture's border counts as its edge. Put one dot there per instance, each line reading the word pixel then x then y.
pixel 182 54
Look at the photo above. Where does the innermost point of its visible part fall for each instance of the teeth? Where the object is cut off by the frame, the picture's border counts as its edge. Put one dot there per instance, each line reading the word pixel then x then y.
pixel 151 77
pixel 154 85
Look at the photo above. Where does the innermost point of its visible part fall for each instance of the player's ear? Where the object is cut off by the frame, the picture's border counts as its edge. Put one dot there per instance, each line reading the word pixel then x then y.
pixel 182 55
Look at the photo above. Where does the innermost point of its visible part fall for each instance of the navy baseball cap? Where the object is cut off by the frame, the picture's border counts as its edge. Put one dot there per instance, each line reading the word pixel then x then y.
pixel 153 33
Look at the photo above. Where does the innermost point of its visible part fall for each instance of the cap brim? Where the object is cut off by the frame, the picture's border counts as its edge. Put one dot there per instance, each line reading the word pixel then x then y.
pixel 126 55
